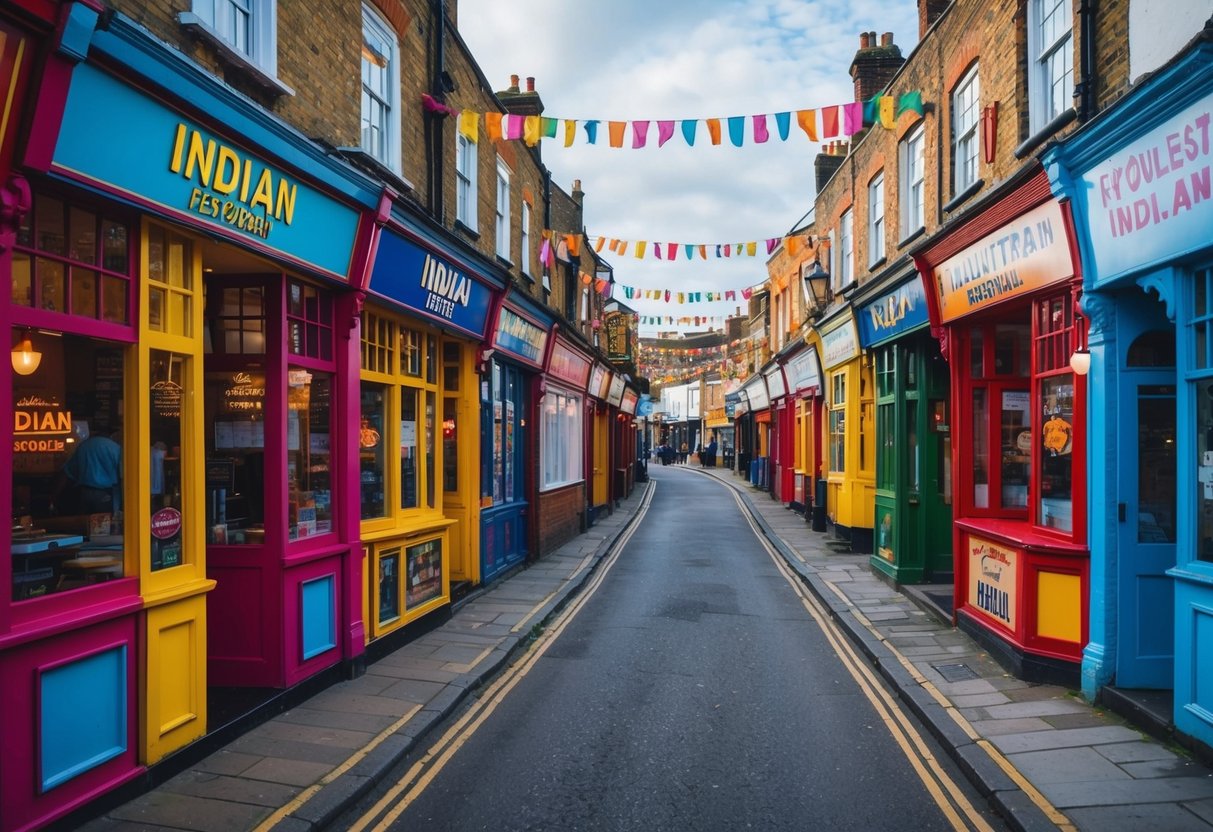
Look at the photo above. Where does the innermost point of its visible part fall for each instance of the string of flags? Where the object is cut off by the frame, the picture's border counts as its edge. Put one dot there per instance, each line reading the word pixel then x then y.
pixel 631 292
pixel 685 320
pixel 817 124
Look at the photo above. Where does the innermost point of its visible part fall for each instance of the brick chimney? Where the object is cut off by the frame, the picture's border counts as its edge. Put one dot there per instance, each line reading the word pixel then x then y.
pixel 521 102
pixel 830 159
pixel 928 12
pixel 578 194
pixel 875 64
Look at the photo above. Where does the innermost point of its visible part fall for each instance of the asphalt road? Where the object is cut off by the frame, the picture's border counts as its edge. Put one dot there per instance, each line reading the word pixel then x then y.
pixel 693 691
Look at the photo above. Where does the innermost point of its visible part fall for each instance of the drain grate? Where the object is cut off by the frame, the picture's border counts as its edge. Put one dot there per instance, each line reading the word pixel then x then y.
pixel 955 672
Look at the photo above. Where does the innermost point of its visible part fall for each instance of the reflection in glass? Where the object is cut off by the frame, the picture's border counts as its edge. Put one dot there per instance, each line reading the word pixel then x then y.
pixel 372 462
pixel 1156 464
pixel 166 421
pixel 409 470
pixel 309 453
pixel 389 586
pixel 981 450
pixel 235 457
pixel 1204 492
pixel 1015 432
pixel 450 445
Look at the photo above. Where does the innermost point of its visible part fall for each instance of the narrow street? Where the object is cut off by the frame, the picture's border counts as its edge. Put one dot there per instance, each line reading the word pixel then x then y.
pixel 691 690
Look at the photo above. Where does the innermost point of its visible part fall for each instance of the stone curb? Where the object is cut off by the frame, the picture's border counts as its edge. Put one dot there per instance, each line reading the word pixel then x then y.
pixel 339 796
pixel 1012 803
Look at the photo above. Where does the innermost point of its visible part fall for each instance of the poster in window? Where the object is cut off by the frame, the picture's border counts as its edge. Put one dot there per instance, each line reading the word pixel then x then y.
pixel 509 450
pixel 389 586
pixel 424 563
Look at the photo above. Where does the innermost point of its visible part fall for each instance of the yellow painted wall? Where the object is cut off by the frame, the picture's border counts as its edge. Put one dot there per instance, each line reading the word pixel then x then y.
pixel 463 506
pixel 852 492
pixel 602 461
pixel 1059 606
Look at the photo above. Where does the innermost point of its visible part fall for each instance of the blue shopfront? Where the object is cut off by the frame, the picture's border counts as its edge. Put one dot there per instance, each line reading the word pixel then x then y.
pixel 913 440
pixel 1139 181
pixel 510 372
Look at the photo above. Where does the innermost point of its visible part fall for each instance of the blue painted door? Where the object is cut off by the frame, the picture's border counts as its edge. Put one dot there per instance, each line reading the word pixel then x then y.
pixel 1146 652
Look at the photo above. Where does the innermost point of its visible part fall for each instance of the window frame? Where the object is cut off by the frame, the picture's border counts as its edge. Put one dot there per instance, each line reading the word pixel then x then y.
pixel 966 137
pixel 911 150
pixel 562 457
pixel 876 223
pixel 846 243
pixel 262 48
pixel 501 225
pixel 1040 82
pixel 466 157
pixel 524 259
pixel 377 25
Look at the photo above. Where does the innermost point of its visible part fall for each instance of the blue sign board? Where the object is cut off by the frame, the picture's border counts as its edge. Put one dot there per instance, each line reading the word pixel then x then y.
pixel 900 311
pixel 521 337
pixel 408 274
pixel 126 142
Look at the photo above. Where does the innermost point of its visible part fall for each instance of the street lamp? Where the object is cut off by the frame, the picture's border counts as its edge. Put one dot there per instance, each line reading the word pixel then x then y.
pixel 817 285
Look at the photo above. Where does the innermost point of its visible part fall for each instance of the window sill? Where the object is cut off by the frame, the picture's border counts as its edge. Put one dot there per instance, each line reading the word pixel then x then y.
pixel 460 225
pixel 1045 132
pixel 194 25
pixel 877 263
pixel 527 277
pixel 912 236
pixel 964 196
pixel 505 261
pixel 360 157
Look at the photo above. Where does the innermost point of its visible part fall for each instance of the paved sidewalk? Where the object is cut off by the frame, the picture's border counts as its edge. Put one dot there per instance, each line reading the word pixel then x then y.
pixel 1094 770
pixel 303 768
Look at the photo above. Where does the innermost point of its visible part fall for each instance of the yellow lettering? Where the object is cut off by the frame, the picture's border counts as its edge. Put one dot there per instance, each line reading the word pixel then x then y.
pixel 21 421
pixel 65 422
pixel 228 174
pixel 264 195
pixel 178 148
pixel 286 200
pixel 244 177
pixel 200 157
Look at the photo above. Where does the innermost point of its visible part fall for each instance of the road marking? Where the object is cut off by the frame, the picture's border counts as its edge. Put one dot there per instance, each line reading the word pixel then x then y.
pixel 408 788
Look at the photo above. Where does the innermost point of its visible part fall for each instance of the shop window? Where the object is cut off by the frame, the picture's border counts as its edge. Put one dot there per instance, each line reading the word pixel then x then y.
pixel 237 319
pixel 235 456
pixel 503 422
pixel 981 450
pixel 424 576
pixel 170 277
pixel 166 426
pixel 838 417
pixel 309 477
pixel 1204 452
pixel 913 463
pixel 372 462
pixel 309 321
pixel 1055 339
pixel 389 585
pixel 939 424
pixel 867 419
pixel 886 372
pixel 886 447
pixel 68 480
pixel 72 259
pixel 561 437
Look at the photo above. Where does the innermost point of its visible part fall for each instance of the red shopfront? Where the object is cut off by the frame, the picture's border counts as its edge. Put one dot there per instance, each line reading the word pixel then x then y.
pixel 1003 290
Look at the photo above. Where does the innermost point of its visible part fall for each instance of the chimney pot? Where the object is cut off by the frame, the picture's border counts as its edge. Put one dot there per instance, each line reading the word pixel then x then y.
pixel 530 83
pixel 863 40
pixel 886 39
pixel 513 82
pixel 872 37
pixel 576 184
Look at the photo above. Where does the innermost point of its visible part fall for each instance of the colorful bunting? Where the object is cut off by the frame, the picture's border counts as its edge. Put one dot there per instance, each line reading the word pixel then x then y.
pixel 665 130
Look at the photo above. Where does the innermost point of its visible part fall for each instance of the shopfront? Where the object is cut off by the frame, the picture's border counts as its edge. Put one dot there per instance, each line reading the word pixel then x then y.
pixel 754 440
pixel 1147 249
pixel 782 421
pixel 1003 291
pixel 850 427
pixel 803 371
pixel 165 540
pixel 425 317
pixel 565 455
pixel 508 377
pixel 913 517
pixel 598 440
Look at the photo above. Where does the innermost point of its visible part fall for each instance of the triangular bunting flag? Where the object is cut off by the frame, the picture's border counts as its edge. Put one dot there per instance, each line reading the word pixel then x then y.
pixel 469 124
pixel 852 117
pixel 736 130
pixel 665 129
pixel 615 128
pixel 492 126
pixel 911 101
pixel 760 130
pixel 829 122
pixel 887 119
pixel 640 247
pixel 688 130
pixel 591 132
pixel 713 129
pixel 783 122
pixel 570 131
pixel 807 119
pixel 640 133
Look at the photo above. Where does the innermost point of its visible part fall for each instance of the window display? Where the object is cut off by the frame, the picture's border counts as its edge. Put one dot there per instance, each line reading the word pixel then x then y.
pixel 424 563
pixel 561 438
pixel 838 418
pixel 389 585
pixel 309 453
pixel 1056 453
pixel 166 422
pixel 235 457
pixel 371 443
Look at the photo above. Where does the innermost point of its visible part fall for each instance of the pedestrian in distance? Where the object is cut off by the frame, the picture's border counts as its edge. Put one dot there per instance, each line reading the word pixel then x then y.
pixel 682 454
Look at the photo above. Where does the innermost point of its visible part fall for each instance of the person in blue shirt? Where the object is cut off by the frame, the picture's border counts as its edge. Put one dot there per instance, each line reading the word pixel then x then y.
pixel 95 474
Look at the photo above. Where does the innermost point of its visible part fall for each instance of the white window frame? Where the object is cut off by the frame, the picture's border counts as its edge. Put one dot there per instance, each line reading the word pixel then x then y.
pixel 846 245
pixel 560 438
pixel 1046 99
pixel 911 159
pixel 966 104
pixel 256 41
pixel 466 158
pixel 876 227
pixel 502 225
pixel 387 150
pixel 524 258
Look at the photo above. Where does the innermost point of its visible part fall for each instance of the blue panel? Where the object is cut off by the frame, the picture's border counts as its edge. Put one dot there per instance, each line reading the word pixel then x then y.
pixel 1202 665
pixel 408 274
pixel 898 312
pixel 519 336
pixel 116 136
pixel 78 31
pixel 84 708
pixel 319 613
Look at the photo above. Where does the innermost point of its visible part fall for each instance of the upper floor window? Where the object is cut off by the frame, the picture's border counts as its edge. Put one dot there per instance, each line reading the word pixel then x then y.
pixel 964 132
pixel 525 255
pixel 846 236
pixel 1051 60
pixel 876 219
pixel 912 179
pixel 503 210
pixel 465 180
pixel 380 89
pixel 247 27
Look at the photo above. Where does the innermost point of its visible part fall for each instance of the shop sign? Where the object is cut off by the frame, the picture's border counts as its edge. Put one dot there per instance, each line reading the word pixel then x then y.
pixel 839 344
pixel 115 136
pixel 1153 200
pixel 597 377
pixel 993 577
pixel 775 383
pixel 629 402
pixel 618 336
pixel 40 426
pixel 803 370
pixel 900 311
pixel 166 399
pixel 615 397
pixel 427 284
pixel 519 336
pixel 1030 252
pixel 568 365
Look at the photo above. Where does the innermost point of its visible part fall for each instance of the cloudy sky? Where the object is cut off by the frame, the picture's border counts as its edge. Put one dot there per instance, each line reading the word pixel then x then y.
pixel 628 60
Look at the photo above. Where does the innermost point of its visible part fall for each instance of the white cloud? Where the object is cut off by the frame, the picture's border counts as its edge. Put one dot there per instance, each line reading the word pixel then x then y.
pixel 683 59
